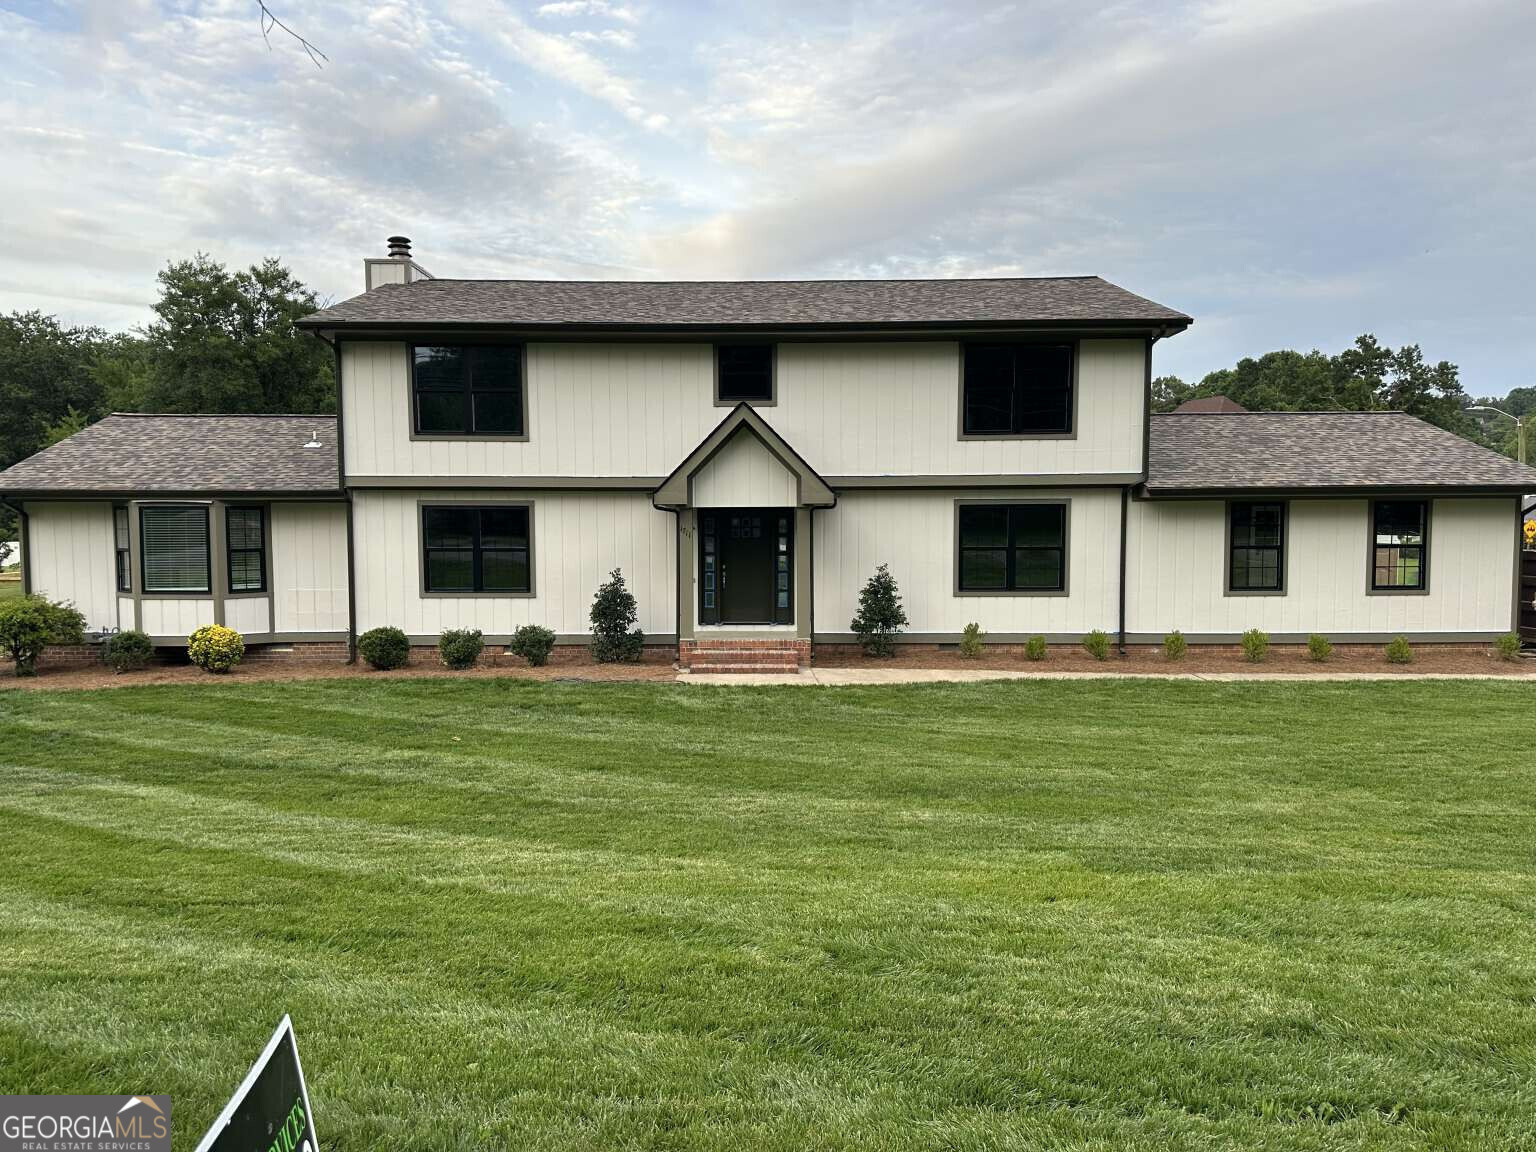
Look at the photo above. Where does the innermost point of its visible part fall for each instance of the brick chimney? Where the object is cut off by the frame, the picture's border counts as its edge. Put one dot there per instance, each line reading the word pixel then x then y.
pixel 396 268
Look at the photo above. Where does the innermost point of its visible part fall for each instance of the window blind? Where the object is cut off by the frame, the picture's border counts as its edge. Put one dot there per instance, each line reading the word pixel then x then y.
pixel 175 546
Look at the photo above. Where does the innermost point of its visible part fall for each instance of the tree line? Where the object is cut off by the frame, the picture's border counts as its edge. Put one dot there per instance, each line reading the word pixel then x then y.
pixel 1368 376
pixel 220 341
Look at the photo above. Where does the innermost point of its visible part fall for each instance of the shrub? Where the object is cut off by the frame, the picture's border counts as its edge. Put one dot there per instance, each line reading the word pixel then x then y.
pixel 1318 648
pixel 1255 645
pixel 1096 644
pixel 215 648
pixel 533 644
pixel 1174 645
pixel 1507 646
pixel 1034 648
pixel 460 647
pixel 1399 651
pixel 615 616
pixel 31 623
pixel 880 617
pixel 384 648
pixel 127 651
pixel 972 641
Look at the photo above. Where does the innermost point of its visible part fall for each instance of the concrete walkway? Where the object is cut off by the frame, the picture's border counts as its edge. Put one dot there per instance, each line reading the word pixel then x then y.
pixel 839 676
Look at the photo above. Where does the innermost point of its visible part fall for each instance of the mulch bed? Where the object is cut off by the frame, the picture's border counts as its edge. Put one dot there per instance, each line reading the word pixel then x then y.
pixel 1149 661
pixel 77 676
pixel 1140 661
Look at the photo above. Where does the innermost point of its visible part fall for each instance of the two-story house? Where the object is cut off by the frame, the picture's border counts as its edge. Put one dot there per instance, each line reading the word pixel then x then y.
pixel 747 454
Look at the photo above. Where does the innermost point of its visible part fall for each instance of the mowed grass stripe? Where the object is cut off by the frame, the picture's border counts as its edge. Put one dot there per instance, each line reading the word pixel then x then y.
pixel 947 918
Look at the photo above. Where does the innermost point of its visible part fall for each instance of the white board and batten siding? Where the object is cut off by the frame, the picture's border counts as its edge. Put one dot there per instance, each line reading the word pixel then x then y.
pixel 636 410
pixel 578 538
pixel 309 568
pixel 894 410
pixel 72 556
pixel 172 618
pixel 248 615
pixel 745 474
pixel 1177 564
pixel 914 533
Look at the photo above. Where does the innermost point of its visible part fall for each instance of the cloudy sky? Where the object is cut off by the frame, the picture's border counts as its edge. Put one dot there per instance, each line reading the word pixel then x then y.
pixel 1289 172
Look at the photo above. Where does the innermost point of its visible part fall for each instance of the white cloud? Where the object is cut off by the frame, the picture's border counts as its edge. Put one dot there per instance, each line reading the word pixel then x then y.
pixel 567 8
pixel 1289 173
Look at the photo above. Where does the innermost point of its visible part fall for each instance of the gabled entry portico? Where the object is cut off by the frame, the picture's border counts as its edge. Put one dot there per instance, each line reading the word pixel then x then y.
pixel 743 500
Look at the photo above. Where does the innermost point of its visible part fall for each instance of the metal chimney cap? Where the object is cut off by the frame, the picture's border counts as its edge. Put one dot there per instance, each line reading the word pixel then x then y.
pixel 399 247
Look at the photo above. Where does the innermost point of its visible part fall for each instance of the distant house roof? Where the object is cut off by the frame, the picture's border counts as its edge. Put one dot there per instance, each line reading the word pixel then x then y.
pixel 1319 451
pixel 136 454
pixel 1210 404
pixel 619 304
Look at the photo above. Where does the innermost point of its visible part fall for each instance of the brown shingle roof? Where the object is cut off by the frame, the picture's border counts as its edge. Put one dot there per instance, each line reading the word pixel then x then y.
pixel 1300 451
pixel 752 303
pixel 1210 404
pixel 131 453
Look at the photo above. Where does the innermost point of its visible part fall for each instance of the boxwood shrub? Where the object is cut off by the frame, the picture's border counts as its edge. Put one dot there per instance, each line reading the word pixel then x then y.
pixel 460 647
pixel 1255 645
pixel 533 643
pixel 127 651
pixel 384 648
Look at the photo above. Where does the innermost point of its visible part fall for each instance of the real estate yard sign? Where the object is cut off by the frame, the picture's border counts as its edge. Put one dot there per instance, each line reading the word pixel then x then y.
pixel 270 1111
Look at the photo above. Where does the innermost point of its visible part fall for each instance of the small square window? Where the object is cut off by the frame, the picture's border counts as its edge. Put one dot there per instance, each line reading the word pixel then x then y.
pixel 744 373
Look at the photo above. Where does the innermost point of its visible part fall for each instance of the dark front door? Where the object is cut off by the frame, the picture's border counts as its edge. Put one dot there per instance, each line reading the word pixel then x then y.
pixel 745 566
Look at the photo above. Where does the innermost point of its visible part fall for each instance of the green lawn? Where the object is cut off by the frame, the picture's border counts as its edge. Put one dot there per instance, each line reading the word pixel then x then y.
pixel 1100 915
pixel 9 588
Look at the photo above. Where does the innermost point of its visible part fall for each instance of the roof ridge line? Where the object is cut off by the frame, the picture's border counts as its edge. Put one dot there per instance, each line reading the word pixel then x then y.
pixel 233 415
pixel 813 280
pixel 1302 412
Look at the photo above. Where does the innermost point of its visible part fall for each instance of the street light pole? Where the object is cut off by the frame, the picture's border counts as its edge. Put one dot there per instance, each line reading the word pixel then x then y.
pixel 1519 425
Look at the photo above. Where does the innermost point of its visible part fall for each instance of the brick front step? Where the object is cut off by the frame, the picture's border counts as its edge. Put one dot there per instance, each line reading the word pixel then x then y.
pixel 738 654
pixel 767 655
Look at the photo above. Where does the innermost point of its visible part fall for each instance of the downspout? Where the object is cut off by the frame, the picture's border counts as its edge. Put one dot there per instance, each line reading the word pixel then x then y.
pixel 346 493
pixel 25 545
pixel 1125 509
pixel 1146 462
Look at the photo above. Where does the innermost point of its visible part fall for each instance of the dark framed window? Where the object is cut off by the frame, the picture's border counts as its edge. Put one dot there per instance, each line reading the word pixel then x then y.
pixel 245 534
pixel 121 543
pixel 1017 389
pixel 468 390
pixel 1256 547
pixel 1399 546
pixel 1012 548
pixel 173 544
pixel 470 549
pixel 744 372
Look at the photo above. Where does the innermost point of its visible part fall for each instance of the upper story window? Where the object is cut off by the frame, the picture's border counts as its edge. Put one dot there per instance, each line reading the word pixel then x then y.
pixel 1256 547
pixel 121 543
pixel 744 372
pixel 1012 548
pixel 468 390
pixel 246 537
pixel 468 549
pixel 1017 389
pixel 174 542
pixel 1399 546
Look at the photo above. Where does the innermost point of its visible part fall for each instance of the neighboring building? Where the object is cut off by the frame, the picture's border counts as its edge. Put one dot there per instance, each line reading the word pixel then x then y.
pixel 748 453
pixel 1210 404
